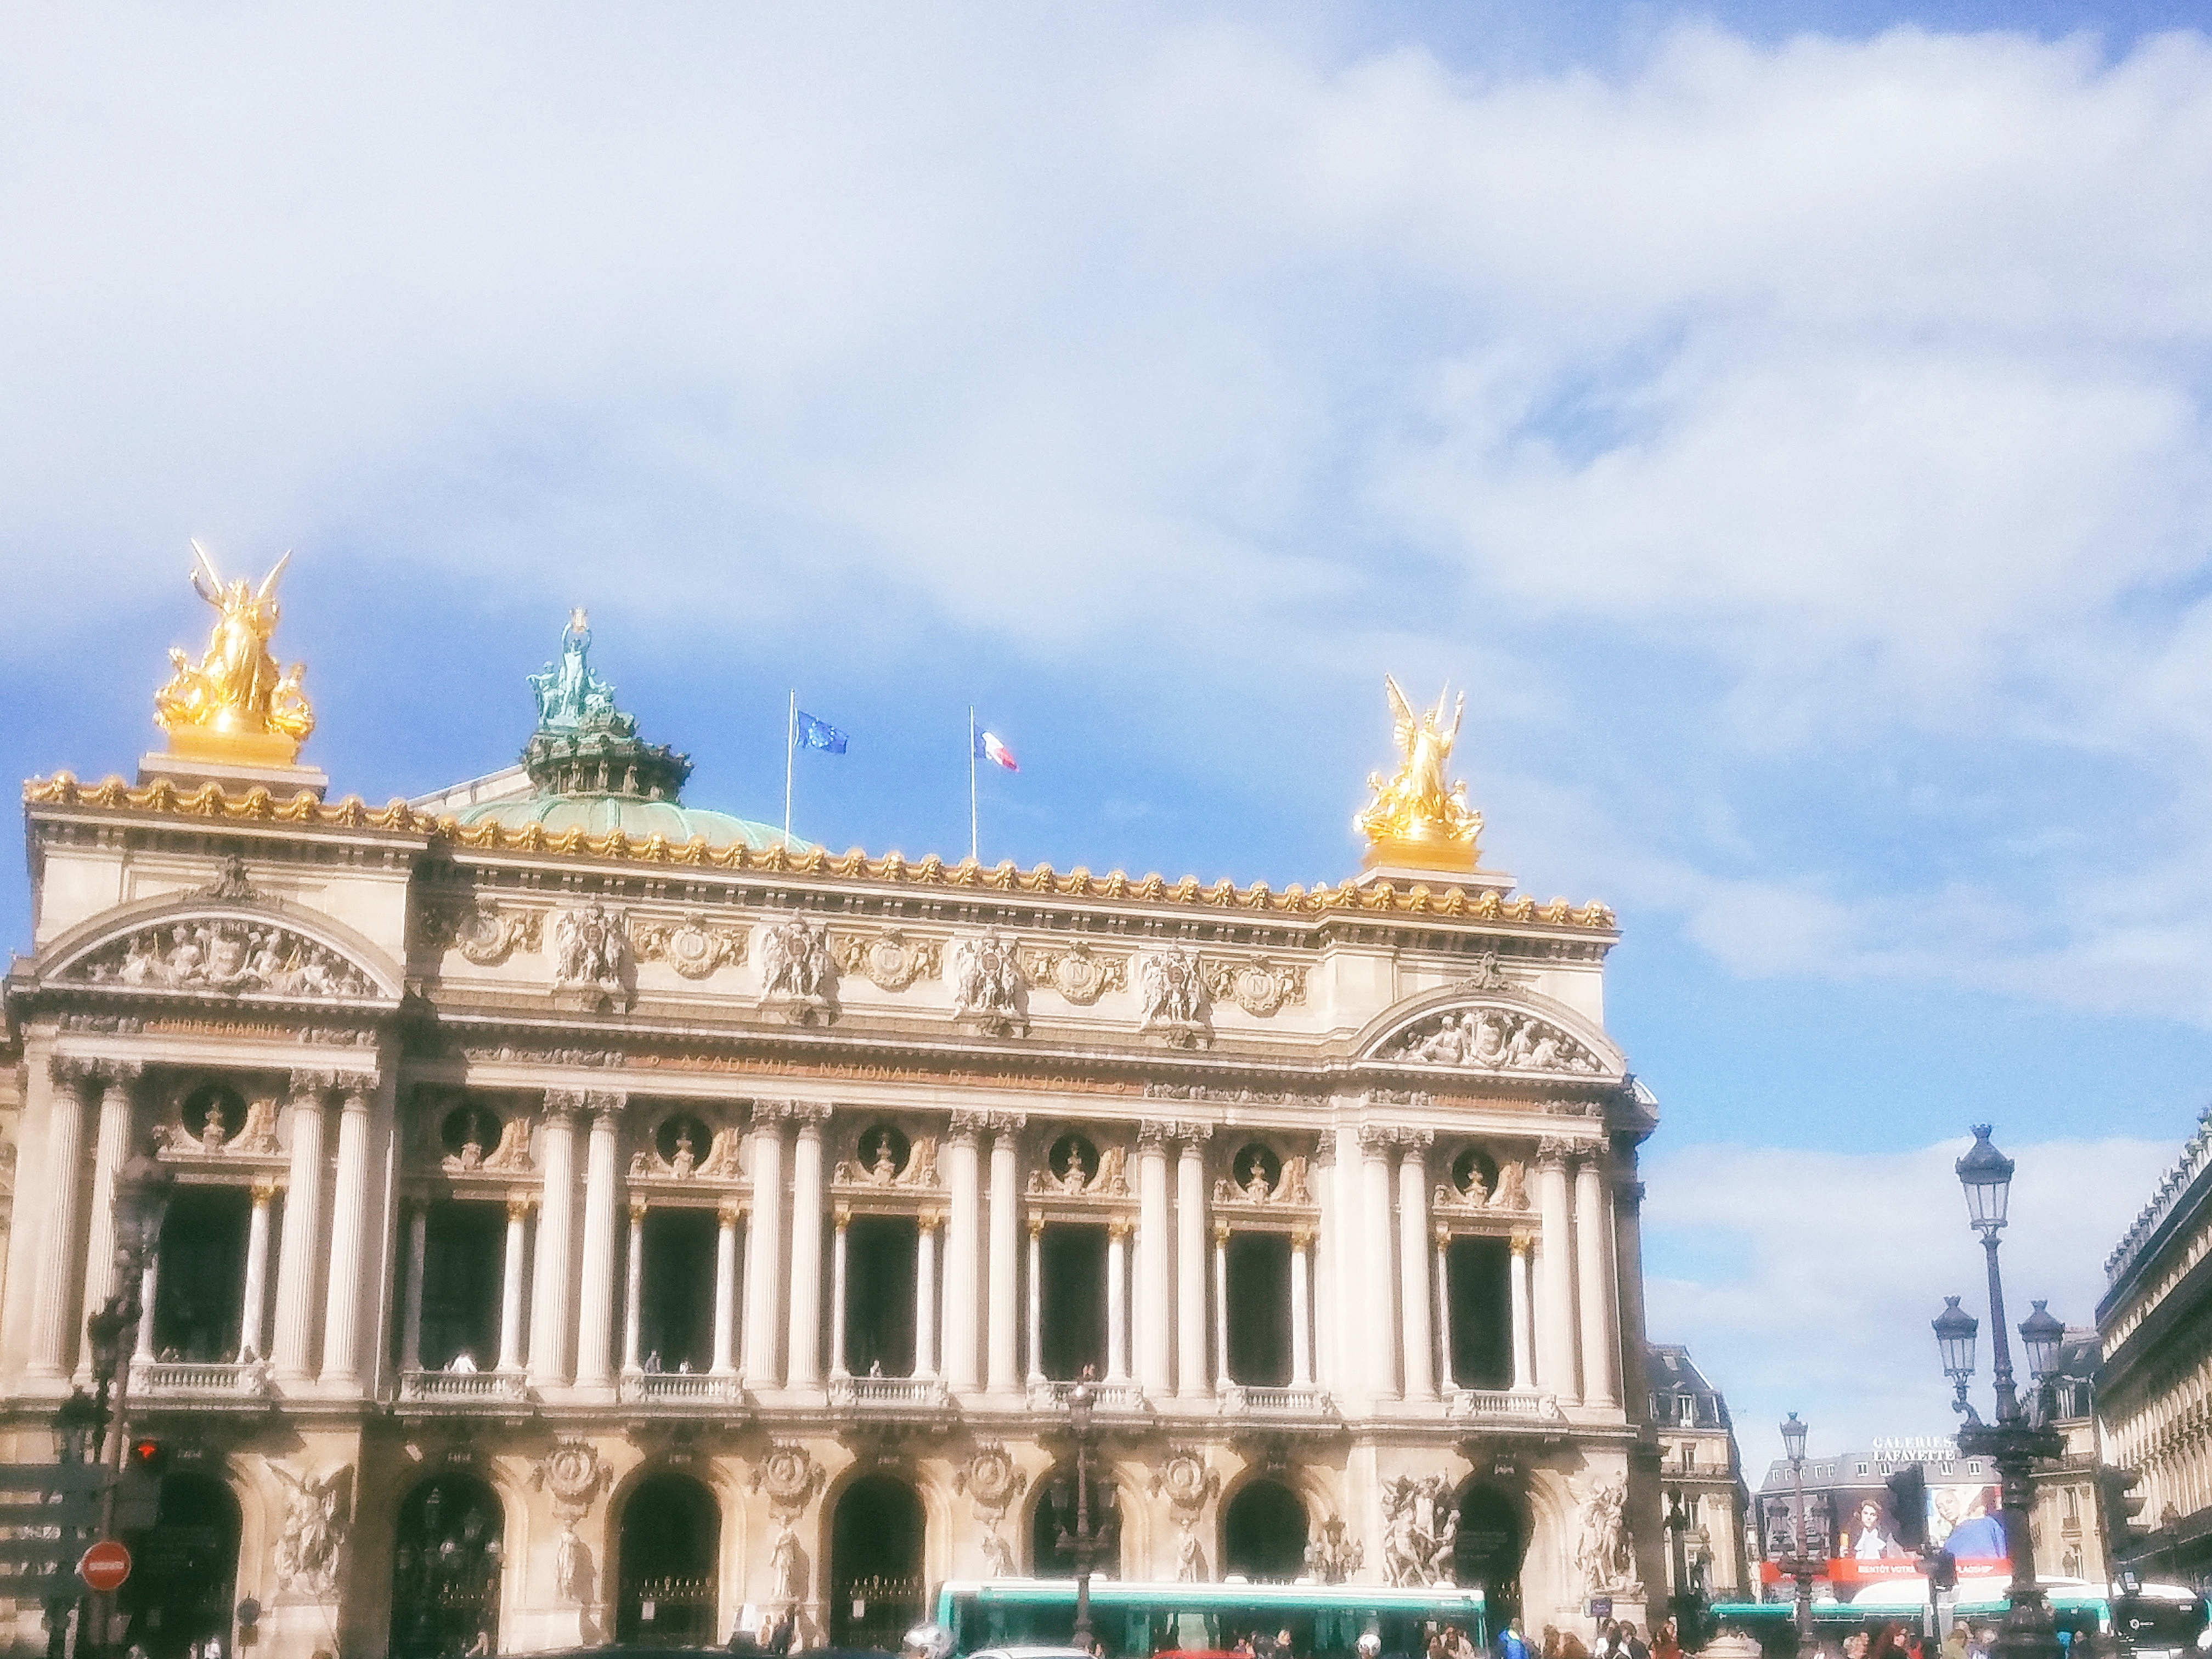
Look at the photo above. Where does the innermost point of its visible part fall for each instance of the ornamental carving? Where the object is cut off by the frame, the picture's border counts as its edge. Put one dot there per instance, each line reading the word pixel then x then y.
pixel 227 955
pixel 590 948
pixel 1491 1040
pixel 1258 1177
pixel 1077 973
pixel 574 1475
pixel 1175 997
pixel 790 1476
pixel 1258 985
pixel 990 1477
pixel 890 961
pixel 1420 1531
pixel 797 968
pixel 1074 1169
pixel 1185 1481
pixel 256 1136
pixel 989 985
pixel 694 947
pixel 316 1514
pixel 885 1158
pixel 1480 1182
pixel 485 933
pixel 1604 1553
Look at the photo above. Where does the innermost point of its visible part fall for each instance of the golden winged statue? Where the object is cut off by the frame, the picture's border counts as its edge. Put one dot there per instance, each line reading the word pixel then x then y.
pixel 233 703
pixel 1419 817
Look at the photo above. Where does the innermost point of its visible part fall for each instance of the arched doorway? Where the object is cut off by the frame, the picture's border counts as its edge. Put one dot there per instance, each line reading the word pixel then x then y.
pixel 876 1589
pixel 1056 1513
pixel 1488 1551
pixel 1263 1534
pixel 670 1539
pixel 184 1568
pixel 446 1567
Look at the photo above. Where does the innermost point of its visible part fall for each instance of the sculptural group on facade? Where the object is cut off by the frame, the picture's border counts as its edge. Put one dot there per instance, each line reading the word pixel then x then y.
pixel 1510 1193
pixel 1291 1185
pixel 795 962
pixel 1419 804
pixel 1491 1040
pixel 235 690
pixel 1174 988
pixel 1420 1530
pixel 570 693
pixel 1605 1554
pixel 313 1533
pixel 986 977
pixel 591 947
pixel 234 956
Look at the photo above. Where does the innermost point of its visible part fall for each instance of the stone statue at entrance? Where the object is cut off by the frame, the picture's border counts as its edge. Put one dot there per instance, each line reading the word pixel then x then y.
pixel 1605 1554
pixel 786 1569
pixel 1420 1530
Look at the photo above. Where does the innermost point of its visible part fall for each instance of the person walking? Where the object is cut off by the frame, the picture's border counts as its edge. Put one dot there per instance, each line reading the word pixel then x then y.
pixel 1511 1644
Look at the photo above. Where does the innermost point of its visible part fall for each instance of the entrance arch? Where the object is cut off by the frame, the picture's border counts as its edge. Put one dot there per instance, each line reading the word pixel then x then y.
pixel 670 1539
pixel 444 1568
pixel 1263 1534
pixel 184 1568
pixel 1489 1549
pixel 876 1589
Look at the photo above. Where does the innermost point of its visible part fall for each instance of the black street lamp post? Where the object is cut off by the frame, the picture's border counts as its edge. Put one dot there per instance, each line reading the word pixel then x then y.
pixel 2018 1439
pixel 1086 1543
pixel 1687 1603
pixel 1803 1567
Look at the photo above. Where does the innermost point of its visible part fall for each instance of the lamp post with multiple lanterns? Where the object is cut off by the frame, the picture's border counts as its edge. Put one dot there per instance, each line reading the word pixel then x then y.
pixel 2019 1438
pixel 1804 1566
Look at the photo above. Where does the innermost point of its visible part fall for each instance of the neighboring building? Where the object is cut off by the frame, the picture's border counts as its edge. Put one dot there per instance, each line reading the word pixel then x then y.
pixel 1848 1515
pixel 1698 1459
pixel 2067 1543
pixel 594 1219
pixel 2154 1388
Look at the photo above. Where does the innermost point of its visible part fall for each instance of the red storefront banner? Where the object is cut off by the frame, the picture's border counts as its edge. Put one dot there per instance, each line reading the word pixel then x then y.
pixel 1848 1570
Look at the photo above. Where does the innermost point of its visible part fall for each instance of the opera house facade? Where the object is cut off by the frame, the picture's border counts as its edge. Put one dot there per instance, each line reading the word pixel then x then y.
pixel 593 1216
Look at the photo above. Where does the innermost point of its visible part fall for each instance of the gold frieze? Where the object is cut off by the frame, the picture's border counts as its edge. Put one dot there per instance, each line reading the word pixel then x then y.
pixel 233 704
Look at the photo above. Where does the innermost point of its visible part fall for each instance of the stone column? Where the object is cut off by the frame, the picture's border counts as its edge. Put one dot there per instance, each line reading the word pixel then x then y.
pixel 1221 1306
pixel 556 1204
pixel 595 1329
pixel 1327 1371
pixel 1301 1314
pixel 837 1368
pixel 1594 1255
pixel 297 1255
pixel 1373 1281
pixel 962 1246
pixel 1444 1311
pixel 110 1152
pixel 764 1285
pixel 52 1332
pixel 1524 1335
pixel 1413 1293
pixel 1036 1299
pixel 1117 1301
pixel 925 1295
pixel 634 1293
pixel 1628 1264
pixel 1192 1382
pixel 1006 1210
pixel 1152 1258
pixel 349 1242
pixel 726 1291
pixel 149 1289
pixel 510 1288
pixel 1555 1319
pixel 418 1256
pixel 251 1337
pixel 806 1246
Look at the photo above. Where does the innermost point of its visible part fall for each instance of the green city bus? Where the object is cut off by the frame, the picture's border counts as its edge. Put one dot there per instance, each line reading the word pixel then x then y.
pixel 1136 1620
pixel 2158 1621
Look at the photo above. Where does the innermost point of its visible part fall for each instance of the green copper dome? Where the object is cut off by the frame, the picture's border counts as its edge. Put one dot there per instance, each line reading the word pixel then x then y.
pixel 593 773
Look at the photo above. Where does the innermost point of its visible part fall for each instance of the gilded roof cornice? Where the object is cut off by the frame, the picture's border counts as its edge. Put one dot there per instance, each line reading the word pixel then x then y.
pixel 164 799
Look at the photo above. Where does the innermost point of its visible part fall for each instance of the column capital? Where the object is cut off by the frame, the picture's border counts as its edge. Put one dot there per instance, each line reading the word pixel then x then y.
pixel 1301 1240
pixel 1036 1226
pixel 729 1215
pixel 841 1218
pixel 1193 1137
pixel 607 1110
pixel 357 1093
pixel 562 1105
pixel 1118 1227
pixel 1414 1143
pixel 79 1071
pixel 809 1114
pixel 1375 1141
pixel 266 1190
pixel 1443 1236
pixel 1004 1124
pixel 638 1209
pixel 1221 1234
pixel 965 1127
pixel 517 1209
pixel 1554 1154
pixel 1629 1194
pixel 1153 1135
pixel 1522 1245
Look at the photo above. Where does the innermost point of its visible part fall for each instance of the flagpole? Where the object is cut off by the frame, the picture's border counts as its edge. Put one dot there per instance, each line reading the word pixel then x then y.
pixel 790 742
pixel 972 857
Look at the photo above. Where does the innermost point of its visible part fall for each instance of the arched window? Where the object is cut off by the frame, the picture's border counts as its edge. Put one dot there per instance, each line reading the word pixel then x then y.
pixel 1263 1534
pixel 184 1569
pixel 876 1588
pixel 446 1568
pixel 670 1539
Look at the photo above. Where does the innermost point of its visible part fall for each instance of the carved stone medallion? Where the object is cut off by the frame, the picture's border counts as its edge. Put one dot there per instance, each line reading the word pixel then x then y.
pixel 890 960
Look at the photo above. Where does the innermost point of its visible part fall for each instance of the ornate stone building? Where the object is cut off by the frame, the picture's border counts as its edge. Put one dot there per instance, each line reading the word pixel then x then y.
pixel 594 1218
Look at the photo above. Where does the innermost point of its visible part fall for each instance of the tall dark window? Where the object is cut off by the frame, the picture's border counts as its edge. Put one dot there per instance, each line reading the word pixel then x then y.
pixel 1260 1309
pixel 1072 1300
pixel 462 1246
pixel 675 1305
pixel 879 1270
pixel 200 1296
pixel 1481 1312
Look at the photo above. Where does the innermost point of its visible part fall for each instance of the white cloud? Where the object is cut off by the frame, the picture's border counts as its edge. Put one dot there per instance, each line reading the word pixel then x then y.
pixel 1804 1281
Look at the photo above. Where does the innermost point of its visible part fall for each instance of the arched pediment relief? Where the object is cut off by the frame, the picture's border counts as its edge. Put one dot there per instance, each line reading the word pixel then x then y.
pixel 1502 1032
pixel 234 950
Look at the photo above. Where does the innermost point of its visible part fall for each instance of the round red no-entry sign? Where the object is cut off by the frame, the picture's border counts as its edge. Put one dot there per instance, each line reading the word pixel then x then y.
pixel 105 1565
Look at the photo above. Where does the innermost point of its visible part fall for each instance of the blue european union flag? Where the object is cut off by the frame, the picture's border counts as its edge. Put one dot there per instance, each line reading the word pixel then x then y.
pixel 819 734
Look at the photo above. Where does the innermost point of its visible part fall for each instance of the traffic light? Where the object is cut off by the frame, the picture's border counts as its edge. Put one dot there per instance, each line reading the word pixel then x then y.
pixel 1908 1505
pixel 138 1494
pixel 2116 1492
pixel 1942 1570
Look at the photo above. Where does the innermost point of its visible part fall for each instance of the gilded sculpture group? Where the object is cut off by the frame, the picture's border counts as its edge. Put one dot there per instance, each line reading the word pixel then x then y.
pixel 235 691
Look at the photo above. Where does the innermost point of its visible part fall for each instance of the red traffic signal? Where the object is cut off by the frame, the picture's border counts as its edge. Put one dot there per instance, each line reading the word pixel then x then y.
pixel 148 1455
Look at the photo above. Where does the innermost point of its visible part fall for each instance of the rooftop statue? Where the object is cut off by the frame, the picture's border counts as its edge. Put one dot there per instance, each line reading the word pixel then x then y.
pixel 569 694
pixel 1418 817
pixel 234 703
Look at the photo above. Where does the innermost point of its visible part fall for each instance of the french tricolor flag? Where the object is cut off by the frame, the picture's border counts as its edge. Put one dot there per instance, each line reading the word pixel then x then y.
pixel 987 747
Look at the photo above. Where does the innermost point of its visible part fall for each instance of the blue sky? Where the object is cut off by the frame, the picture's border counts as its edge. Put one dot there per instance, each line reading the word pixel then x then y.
pixel 1787 422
